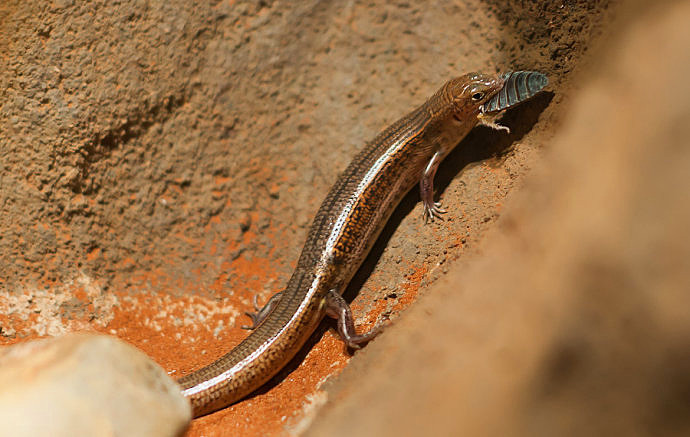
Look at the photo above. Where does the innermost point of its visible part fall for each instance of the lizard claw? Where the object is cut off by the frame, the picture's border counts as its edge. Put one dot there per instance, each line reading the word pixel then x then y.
pixel 433 211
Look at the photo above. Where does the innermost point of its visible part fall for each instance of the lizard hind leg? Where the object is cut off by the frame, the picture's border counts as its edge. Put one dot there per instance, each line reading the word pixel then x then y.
pixel 260 314
pixel 337 308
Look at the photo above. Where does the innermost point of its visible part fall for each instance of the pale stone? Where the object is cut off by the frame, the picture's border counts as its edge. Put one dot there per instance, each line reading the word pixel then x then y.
pixel 87 385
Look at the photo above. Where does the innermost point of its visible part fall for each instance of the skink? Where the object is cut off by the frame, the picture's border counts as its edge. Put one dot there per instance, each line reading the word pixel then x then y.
pixel 344 230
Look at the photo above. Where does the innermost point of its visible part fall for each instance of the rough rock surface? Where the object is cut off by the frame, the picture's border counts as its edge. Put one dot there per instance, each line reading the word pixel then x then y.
pixel 576 320
pixel 87 385
pixel 161 161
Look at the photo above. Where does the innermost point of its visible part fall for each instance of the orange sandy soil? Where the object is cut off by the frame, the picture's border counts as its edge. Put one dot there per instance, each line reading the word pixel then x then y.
pixel 159 324
pixel 187 331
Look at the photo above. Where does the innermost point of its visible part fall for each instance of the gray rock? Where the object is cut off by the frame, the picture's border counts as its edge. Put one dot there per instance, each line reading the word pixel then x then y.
pixel 87 385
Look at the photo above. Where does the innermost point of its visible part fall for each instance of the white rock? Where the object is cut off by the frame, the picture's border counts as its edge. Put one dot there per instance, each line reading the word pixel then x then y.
pixel 87 385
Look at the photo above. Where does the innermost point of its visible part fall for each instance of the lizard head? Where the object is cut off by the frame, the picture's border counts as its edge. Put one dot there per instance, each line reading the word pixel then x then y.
pixel 469 92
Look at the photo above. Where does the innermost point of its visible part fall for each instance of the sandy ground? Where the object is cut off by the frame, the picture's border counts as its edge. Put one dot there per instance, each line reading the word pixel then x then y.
pixel 160 163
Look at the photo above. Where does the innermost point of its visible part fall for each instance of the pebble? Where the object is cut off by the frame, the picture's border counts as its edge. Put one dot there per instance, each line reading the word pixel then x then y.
pixel 87 385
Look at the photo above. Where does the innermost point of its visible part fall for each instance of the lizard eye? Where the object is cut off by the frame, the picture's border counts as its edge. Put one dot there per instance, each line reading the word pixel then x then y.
pixel 477 96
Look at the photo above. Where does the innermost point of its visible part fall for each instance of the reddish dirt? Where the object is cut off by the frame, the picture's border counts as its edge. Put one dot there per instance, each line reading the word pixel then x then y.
pixel 160 163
